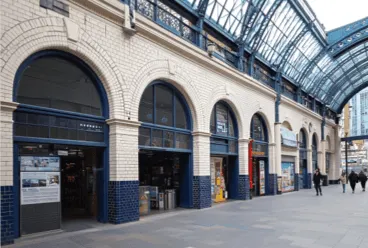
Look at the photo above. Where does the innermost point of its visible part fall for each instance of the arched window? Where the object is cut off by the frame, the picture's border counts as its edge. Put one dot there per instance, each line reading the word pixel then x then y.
pixel 302 139
pixel 258 129
pixel 60 98
pixel 314 152
pixel 58 83
pixel 223 129
pixel 165 117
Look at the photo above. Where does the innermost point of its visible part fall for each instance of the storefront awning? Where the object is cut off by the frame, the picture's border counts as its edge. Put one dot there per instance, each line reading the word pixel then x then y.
pixel 288 138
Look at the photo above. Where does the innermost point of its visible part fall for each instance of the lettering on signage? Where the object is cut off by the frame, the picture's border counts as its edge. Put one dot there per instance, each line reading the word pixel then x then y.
pixel 255 153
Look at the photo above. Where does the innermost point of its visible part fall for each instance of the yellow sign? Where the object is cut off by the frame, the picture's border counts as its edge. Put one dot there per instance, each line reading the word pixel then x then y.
pixel 255 153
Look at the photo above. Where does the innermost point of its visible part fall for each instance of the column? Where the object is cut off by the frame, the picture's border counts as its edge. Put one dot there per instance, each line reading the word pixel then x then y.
pixel 296 177
pixel 322 157
pixel 272 176
pixel 8 211
pixel 336 161
pixel 243 151
pixel 277 157
pixel 201 170
pixel 123 189
pixel 309 168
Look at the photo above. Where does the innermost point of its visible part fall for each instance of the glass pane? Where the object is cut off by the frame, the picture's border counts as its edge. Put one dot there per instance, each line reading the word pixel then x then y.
pixel 182 141
pixel 20 130
pixel 20 117
pixel 258 129
pixel 94 136
pixel 168 139
pixel 59 133
pixel 213 126
pixel 37 131
pixel 164 106
pixel 222 122
pixel 157 138
pixel 232 146
pixel 57 83
pixel 231 127
pixel 181 119
pixel 146 106
pixel 144 136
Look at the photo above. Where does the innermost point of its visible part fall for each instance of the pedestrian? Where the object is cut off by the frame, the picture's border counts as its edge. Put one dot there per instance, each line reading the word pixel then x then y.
pixel 317 177
pixel 362 179
pixel 343 181
pixel 353 179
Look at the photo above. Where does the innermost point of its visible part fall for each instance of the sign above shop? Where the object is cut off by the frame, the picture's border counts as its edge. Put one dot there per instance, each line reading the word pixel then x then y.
pixel 288 138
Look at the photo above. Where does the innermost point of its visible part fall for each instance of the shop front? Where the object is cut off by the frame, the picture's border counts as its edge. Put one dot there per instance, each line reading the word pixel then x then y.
pixel 60 145
pixel 259 168
pixel 289 149
pixel 303 160
pixel 165 150
pixel 224 166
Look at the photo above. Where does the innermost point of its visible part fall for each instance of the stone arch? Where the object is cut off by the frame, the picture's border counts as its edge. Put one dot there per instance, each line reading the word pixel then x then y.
pixel 287 125
pixel 222 94
pixel 306 136
pixel 169 72
pixel 47 33
pixel 268 125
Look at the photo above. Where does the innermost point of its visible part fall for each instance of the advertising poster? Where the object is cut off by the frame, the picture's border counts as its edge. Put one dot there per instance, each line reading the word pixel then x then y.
pixel 262 180
pixel 287 177
pixel 35 163
pixel 40 187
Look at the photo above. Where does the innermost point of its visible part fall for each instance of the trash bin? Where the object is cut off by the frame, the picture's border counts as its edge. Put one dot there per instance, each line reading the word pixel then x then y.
pixel 325 180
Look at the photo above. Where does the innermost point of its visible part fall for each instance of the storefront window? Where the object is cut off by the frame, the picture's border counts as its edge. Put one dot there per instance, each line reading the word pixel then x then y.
pixel 258 131
pixel 222 122
pixel 45 83
pixel 164 106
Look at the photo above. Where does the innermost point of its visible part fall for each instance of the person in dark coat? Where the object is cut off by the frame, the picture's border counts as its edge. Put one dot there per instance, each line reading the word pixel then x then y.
pixel 353 179
pixel 317 177
pixel 362 179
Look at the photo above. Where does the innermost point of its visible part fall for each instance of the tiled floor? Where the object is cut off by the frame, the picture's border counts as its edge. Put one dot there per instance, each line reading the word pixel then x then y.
pixel 298 219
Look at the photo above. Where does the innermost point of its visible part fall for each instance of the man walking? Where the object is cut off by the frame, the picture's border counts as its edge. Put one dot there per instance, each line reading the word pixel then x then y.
pixel 317 177
pixel 353 179
pixel 362 179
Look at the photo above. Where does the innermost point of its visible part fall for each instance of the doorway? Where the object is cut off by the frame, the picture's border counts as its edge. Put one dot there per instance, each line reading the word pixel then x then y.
pixel 260 176
pixel 165 181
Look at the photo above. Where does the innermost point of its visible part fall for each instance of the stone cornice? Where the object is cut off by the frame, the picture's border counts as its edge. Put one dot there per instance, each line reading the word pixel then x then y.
pixel 8 106
pixel 199 133
pixel 244 140
pixel 122 122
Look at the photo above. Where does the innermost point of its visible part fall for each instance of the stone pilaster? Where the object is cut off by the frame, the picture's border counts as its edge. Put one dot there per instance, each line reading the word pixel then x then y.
pixel 243 183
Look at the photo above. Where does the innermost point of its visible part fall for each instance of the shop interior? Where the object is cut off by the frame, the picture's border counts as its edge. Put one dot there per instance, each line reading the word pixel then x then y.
pixel 260 172
pixel 80 171
pixel 164 179
pixel 223 178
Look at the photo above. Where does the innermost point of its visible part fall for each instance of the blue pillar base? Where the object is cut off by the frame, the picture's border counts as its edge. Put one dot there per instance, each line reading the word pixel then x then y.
pixel 244 193
pixel 7 215
pixel 123 201
pixel 202 192
pixel 309 182
pixel 296 182
pixel 272 184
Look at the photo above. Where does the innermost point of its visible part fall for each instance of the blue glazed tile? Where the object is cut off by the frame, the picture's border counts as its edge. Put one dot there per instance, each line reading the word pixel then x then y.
pixel 123 201
pixel 244 193
pixel 202 192
pixel 309 182
pixel 272 184
pixel 7 215
pixel 296 182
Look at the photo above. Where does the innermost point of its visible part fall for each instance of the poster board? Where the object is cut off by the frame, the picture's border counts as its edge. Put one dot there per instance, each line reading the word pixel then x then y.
pixel 287 176
pixel 39 187
pixel 262 180
pixel 40 200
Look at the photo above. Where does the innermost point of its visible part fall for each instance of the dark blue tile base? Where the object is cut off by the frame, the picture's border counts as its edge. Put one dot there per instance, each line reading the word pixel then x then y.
pixel 123 201
pixel 296 182
pixel 333 181
pixel 202 192
pixel 309 182
pixel 244 193
pixel 7 215
pixel 272 182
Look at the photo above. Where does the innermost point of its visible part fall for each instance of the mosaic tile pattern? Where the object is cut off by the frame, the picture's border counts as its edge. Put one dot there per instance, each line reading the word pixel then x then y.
pixel 7 215
pixel 202 192
pixel 123 201
pixel 244 193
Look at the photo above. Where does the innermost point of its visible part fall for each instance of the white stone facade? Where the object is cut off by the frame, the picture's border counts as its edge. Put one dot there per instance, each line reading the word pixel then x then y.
pixel 126 63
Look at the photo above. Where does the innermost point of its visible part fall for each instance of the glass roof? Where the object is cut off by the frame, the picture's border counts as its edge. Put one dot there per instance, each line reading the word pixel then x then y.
pixel 287 40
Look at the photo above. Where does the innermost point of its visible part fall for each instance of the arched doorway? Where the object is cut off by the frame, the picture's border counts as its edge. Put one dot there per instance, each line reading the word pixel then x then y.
pixel 260 169
pixel 165 149
pixel 314 152
pixel 224 153
pixel 61 167
pixel 303 160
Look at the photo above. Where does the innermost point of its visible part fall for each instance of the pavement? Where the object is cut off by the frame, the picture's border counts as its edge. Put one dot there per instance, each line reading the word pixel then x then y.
pixel 296 219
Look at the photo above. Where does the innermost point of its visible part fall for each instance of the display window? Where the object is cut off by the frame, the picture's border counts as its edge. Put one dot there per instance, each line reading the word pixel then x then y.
pixel 287 170
pixel 218 179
